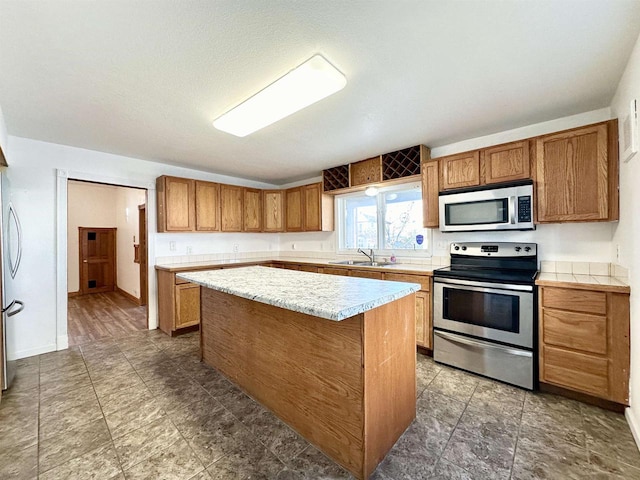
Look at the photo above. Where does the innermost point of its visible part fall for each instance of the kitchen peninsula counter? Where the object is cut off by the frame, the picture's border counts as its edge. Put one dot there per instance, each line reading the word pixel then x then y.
pixel 334 357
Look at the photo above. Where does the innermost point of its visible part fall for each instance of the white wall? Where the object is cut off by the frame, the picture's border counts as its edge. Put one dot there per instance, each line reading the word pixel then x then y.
pixel 3 135
pixel 627 232
pixel 33 179
pixel 127 223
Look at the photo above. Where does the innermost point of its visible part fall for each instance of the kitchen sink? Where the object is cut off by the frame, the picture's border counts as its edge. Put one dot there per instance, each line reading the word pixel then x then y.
pixel 362 264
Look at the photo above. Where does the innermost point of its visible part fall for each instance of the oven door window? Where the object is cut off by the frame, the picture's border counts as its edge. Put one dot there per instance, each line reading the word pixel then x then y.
pixel 491 310
pixel 484 212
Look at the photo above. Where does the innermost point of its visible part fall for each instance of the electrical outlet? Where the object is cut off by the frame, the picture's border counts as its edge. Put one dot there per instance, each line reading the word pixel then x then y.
pixel 172 246
pixel 293 246
pixel 441 245
pixel 618 253
pixel 189 249
pixel 236 247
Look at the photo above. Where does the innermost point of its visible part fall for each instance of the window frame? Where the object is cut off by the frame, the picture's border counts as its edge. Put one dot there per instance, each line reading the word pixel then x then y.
pixel 398 252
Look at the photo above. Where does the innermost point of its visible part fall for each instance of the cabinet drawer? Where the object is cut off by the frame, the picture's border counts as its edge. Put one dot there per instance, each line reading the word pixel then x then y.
pixel 308 268
pixel 579 331
pixel 577 300
pixel 335 271
pixel 365 274
pixel 578 371
pixel 401 277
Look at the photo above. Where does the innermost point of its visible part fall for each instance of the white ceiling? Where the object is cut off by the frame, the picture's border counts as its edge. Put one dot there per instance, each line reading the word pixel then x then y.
pixel 146 78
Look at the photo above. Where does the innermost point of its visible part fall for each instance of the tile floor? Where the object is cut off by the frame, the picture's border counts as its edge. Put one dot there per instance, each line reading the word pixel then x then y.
pixel 142 406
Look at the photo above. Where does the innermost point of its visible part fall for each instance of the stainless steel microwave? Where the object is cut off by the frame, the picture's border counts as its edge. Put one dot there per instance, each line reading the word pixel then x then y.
pixel 491 207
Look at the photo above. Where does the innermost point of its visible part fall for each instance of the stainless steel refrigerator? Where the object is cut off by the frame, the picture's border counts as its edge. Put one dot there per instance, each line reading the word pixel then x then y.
pixel 10 256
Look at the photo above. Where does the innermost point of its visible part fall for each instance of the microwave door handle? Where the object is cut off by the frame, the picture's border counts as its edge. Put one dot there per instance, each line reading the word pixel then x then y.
pixel 512 210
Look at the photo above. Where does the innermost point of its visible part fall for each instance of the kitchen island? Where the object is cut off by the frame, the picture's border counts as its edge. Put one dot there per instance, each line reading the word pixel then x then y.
pixel 334 357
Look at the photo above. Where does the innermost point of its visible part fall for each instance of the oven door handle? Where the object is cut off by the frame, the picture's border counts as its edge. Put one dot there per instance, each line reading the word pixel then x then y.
pixel 482 286
pixel 477 344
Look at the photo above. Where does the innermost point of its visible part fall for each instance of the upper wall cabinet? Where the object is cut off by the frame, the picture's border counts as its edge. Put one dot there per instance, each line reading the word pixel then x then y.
pixel 176 204
pixel 460 170
pixel 273 210
pixel 430 176
pixel 505 163
pixel 252 221
pixel 207 206
pixel 577 174
pixel 295 210
pixel 318 209
pixel 366 171
pixel 231 208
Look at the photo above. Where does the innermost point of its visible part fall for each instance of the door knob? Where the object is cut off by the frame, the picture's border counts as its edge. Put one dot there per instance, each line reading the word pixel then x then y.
pixel 84 261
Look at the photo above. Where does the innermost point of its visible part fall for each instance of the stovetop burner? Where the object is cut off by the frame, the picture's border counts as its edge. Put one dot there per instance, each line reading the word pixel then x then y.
pixel 495 262
pixel 517 277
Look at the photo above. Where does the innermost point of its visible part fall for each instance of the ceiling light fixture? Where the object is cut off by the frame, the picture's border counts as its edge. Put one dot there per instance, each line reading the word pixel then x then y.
pixel 314 80
pixel 371 191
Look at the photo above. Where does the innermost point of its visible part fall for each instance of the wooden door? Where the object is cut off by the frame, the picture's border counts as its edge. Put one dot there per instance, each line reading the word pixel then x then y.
pixel 142 238
pixel 252 210
pixel 312 207
pixel 207 206
pixel 430 215
pixel 505 163
pixel 231 200
pixel 97 260
pixel 273 210
pixel 573 175
pixel 460 170
pixel 295 212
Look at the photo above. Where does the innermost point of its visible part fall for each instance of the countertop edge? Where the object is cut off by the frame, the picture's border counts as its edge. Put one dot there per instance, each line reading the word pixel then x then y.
pixel 585 286
pixel 413 270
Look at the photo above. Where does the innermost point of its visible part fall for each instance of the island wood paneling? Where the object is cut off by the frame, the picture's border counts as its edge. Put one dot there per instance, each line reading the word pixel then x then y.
pixel 348 387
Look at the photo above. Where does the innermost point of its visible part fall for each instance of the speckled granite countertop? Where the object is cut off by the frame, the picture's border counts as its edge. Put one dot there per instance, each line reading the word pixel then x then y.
pixel 331 297
pixel 397 268
pixel 602 283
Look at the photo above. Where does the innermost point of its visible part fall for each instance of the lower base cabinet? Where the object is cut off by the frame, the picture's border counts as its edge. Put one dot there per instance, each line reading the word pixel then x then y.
pixel 584 341
pixel 178 303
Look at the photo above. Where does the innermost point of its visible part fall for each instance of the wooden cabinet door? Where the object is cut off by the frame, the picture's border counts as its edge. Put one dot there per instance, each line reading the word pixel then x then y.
pixel 231 201
pixel 252 210
pixel 573 175
pixel 505 163
pixel 423 319
pixel 430 215
pixel 295 209
pixel 366 171
pixel 187 305
pixel 207 206
pixel 461 170
pixel 176 204
pixel 312 207
pixel 273 210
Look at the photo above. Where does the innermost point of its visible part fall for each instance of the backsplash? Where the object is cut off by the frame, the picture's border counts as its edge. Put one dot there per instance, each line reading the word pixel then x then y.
pixel 584 268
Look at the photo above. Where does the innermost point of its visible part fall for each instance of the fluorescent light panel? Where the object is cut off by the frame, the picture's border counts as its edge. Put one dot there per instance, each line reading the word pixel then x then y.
pixel 314 80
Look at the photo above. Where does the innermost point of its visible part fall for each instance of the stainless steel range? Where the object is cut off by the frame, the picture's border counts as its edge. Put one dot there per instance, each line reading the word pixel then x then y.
pixel 484 311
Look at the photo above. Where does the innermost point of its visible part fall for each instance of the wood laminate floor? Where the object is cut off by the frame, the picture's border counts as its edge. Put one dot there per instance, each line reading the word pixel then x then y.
pixel 99 316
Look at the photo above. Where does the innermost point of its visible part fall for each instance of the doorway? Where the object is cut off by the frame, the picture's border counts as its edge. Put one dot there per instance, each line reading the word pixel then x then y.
pixel 106 261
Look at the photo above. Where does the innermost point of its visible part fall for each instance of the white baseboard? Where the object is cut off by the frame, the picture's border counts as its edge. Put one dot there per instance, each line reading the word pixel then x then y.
pixel 63 342
pixel 634 424
pixel 32 352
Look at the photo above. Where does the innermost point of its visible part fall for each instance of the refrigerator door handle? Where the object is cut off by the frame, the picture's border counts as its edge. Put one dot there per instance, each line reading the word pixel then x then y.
pixel 11 313
pixel 13 267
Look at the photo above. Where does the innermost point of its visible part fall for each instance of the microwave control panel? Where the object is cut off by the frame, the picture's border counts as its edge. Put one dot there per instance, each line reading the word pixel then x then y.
pixel 524 209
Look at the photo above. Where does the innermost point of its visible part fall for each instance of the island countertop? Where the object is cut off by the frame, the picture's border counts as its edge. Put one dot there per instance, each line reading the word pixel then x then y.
pixel 326 296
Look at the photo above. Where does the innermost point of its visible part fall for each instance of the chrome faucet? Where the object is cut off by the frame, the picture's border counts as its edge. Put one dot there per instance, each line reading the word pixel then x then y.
pixel 370 255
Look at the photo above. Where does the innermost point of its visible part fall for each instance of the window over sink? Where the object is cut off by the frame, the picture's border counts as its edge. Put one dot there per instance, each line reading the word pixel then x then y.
pixel 389 222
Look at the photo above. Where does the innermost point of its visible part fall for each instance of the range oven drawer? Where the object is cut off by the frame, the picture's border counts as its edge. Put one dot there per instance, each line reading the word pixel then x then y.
pixel 508 364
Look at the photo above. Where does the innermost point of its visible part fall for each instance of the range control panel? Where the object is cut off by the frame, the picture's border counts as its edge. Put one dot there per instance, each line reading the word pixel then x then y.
pixel 494 249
